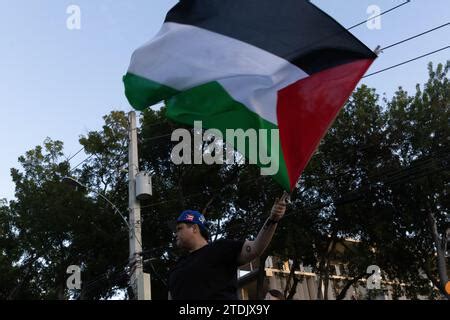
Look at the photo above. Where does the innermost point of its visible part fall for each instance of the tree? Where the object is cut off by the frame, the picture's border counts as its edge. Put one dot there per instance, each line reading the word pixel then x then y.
pixel 418 134
pixel 10 253
pixel 56 227
pixel 380 176
pixel 377 176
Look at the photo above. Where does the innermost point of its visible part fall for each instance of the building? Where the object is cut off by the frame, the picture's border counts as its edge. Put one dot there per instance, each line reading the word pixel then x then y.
pixel 276 274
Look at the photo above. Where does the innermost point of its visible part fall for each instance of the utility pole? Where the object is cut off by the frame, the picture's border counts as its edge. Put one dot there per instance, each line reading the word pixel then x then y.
pixel 140 282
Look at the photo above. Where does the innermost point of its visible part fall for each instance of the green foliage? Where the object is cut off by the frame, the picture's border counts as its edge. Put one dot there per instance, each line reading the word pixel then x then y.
pixel 380 169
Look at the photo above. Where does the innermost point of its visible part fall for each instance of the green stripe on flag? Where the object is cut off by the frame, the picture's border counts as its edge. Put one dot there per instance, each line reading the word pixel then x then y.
pixel 211 104
pixel 143 93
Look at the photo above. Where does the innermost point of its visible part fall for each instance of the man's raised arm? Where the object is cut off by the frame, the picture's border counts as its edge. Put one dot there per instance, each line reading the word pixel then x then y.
pixel 253 249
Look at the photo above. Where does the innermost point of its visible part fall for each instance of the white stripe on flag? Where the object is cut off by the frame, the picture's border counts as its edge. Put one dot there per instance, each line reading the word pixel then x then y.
pixel 184 56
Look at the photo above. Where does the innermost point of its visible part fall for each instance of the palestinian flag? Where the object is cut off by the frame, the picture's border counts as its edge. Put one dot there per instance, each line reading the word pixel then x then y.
pixel 261 64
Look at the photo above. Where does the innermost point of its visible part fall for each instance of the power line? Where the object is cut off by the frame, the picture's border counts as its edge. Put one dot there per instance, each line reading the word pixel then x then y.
pixel 157 124
pixel 149 261
pixel 157 137
pixel 377 16
pixel 293 53
pixel 75 154
pixel 408 61
pixel 416 36
pixel 113 278
pixel 104 275
pixel 82 162
pixel 145 139
pixel 195 195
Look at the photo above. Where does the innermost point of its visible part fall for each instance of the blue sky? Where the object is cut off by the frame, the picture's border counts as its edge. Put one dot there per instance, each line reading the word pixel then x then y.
pixel 58 83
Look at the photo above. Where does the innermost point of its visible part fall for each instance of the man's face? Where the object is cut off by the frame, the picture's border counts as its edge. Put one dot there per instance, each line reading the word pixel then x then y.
pixel 184 233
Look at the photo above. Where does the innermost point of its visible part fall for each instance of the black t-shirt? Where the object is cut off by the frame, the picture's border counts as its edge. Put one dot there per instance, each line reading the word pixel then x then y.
pixel 209 273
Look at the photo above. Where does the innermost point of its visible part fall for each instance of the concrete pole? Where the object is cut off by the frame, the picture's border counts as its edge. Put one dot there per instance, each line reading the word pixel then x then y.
pixel 140 282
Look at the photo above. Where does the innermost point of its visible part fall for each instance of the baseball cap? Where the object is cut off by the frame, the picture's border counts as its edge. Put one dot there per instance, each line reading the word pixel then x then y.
pixel 192 216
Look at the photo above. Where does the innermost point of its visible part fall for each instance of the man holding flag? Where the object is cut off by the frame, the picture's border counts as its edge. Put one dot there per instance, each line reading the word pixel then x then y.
pixel 253 64
pixel 208 272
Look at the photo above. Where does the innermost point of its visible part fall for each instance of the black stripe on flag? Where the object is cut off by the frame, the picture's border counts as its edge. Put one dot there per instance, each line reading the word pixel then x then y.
pixel 295 30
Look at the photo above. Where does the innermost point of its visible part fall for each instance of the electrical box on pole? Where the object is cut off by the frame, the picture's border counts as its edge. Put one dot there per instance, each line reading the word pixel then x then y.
pixel 143 186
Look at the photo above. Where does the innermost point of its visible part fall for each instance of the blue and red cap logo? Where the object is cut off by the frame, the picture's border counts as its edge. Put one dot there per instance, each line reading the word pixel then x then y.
pixel 192 216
